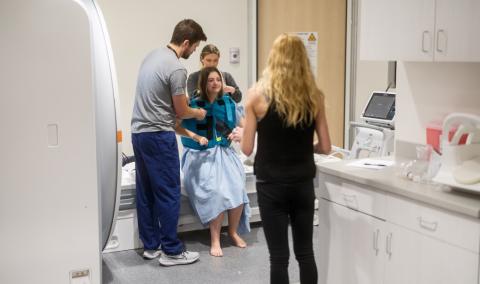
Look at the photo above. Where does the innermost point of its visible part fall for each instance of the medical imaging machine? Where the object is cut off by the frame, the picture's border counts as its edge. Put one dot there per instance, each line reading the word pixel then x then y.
pixel 374 134
pixel 60 141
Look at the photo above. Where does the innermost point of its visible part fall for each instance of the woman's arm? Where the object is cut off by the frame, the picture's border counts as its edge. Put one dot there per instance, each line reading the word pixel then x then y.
pixel 323 146
pixel 237 132
pixel 232 88
pixel 241 122
pixel 190 134
pixel 248 138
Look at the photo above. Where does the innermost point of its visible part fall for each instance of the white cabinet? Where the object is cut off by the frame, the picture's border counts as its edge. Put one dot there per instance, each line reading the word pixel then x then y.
pixel 396 29
pixel 457 30
pixel 401 248
pixel 402 242
pixel 351 232
pixel 432 245
pixel 419 30
pixel 443 263
pixel 350 250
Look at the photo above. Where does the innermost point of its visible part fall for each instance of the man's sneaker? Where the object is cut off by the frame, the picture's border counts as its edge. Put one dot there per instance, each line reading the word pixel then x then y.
pixel 151 254
pixel 185 257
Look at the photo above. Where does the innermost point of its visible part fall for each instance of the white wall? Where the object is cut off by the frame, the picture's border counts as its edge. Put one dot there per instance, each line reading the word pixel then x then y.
pixel 137 27
pixel 429 91
pixel 371 76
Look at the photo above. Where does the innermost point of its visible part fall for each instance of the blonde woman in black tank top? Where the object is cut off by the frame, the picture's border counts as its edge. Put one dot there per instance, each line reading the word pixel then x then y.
pixel 286 108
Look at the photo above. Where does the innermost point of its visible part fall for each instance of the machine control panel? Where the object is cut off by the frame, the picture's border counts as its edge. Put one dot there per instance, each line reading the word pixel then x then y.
pixel 380 109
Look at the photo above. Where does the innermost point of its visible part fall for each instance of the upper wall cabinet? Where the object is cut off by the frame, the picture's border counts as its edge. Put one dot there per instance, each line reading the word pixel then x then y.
pixel 420 30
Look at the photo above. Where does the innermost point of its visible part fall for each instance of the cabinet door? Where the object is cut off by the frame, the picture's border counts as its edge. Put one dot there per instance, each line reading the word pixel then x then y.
pixel 457 35
pixel 396 30
pixel 401 248
pixel 350 246
pixel 442 263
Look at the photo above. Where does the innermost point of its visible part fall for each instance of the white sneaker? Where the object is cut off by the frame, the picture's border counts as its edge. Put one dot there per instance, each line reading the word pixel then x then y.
pixel 185 257
pixel 151 254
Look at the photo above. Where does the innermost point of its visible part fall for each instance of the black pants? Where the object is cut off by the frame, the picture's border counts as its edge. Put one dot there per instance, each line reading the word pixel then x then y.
pixel 279 204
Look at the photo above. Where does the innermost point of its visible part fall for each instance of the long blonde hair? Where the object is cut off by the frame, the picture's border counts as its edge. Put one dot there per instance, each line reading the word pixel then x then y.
pixel 288 82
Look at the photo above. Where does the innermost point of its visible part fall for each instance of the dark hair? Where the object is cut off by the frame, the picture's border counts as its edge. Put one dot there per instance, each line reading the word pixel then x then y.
pixel 203 80
pixel 209 49
pixel 189 30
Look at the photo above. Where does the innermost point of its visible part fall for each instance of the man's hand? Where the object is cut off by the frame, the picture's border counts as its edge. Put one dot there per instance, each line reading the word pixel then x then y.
pixel 200 114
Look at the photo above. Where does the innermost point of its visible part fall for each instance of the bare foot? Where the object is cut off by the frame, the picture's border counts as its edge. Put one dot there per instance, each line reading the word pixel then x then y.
pixel 216 250
pixel 237 241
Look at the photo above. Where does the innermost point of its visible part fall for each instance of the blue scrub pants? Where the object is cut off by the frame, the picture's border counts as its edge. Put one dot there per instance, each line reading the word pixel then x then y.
pixel 158 190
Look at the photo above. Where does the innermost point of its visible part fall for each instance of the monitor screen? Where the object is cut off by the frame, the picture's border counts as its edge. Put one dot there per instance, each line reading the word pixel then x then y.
pixel 381 106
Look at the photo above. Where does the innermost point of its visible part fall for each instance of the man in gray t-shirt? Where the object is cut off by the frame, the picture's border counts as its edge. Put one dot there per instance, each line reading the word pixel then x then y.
pixel 161 77
pixel 161 98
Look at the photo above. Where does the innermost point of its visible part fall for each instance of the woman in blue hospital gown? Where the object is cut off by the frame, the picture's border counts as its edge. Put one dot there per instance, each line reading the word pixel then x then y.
pixel 214 177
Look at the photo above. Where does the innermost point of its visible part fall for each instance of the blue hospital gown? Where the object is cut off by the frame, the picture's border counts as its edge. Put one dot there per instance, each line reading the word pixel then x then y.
pixel 214 180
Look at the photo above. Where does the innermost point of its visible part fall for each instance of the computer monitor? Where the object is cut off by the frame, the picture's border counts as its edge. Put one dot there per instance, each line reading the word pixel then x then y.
pixel 380 109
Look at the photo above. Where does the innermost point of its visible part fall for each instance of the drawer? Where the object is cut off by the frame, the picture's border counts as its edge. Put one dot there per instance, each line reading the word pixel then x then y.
pixel 449 227
pixel 351 195
pixel 329 187
pixel 402 211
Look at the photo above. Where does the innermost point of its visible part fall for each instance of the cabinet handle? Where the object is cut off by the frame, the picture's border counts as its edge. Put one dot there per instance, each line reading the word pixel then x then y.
pixel 388 248
pixel 424 35
pixel 444 35
pixel 376 234
pixel 351 201
pixel 429 225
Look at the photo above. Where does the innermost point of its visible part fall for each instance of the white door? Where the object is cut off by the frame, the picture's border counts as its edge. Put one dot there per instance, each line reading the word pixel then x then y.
pixel 396 30
pixel 443 263
pixel 401 248
pixel 350 246
pixel 457 30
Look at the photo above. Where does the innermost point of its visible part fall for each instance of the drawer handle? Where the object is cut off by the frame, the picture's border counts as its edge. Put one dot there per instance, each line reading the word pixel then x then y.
pixel 376 234
pixel 388 247
pixel 429 225
pixel 441 33
pixel 351 201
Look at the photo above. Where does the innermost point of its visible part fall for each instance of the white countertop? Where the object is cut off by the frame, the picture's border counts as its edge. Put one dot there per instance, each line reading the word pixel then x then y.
pixel 386 180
